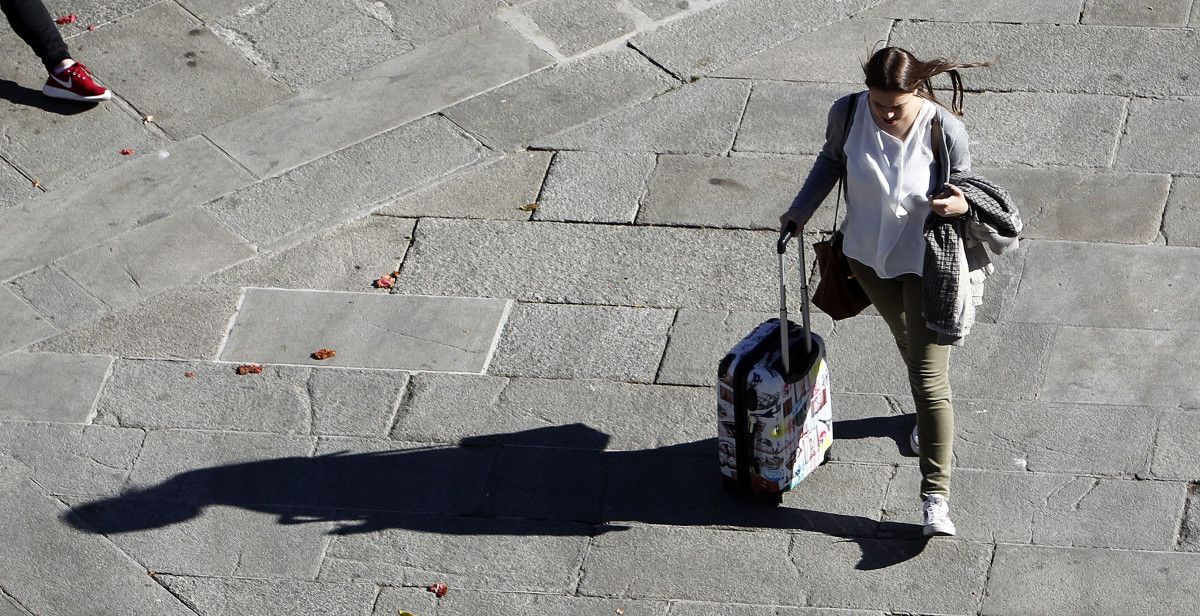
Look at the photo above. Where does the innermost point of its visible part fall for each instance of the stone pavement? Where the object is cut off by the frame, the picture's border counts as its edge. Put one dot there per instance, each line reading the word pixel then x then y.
pixel 527 415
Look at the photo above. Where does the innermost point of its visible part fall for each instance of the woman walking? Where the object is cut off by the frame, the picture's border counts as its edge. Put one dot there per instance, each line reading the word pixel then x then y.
pixel 899 234
pixel 68 79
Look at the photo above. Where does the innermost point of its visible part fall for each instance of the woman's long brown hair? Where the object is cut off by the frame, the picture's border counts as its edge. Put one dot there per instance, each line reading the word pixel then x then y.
pixel 894 69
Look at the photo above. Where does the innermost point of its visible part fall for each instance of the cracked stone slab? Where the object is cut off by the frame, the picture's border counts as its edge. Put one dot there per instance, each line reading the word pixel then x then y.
pixel 277 211
pixel 699 118
pixel 138 192
pixel 1151 145
pixel 494 189
pixel 594 187
pixel 395 599
pixel 1132 367
pixel 1121 207
pixel 56 297
pixel 1152 282
pixel 1067 58
pixel 243 596
pixel 55 569
pixel 50 387
pixel 1050 11
pixel 446 408
pixel 732 31
pixel 832 53
pixel 1181 222
pixel 305 43
pixel 172 44
pixel 367 330
pixel 1043 128
pixel 788 118
pixel 68 459
pixel 351 109
pixel 20 324
pixel 613 265
pixel 182 323
pixel 572 342
pixel 1165 13
pixel 1020 436
pixel 475 553
pixel 576 26
pixel 346 258
pixel 1046 580
pixel 555 99
pixel 153 258
pixel 1175 455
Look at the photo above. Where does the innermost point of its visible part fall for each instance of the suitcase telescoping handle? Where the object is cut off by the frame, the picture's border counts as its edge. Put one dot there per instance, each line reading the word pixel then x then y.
pixel 784 238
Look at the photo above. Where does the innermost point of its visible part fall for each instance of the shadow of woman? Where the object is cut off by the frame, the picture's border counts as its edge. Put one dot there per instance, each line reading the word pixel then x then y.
pixel 556 480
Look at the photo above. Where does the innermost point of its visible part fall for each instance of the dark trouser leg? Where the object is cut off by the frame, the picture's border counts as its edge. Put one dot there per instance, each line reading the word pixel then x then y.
pixel 32 22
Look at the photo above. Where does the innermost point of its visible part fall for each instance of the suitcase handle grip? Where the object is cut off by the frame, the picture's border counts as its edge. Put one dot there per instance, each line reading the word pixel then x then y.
pixel 786 236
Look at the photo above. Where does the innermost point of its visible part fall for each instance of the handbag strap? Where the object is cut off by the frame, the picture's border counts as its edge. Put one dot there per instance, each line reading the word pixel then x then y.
pixel 845 137
pixel 938 143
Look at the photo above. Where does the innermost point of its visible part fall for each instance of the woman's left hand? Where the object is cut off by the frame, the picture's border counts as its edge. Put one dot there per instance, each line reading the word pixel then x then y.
pixel 951 203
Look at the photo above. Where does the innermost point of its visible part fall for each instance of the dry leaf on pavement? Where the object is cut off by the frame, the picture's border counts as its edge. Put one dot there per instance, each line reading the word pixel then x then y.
pixel 320 354
pixel 528 207
pixel 250 369
pixel 440 589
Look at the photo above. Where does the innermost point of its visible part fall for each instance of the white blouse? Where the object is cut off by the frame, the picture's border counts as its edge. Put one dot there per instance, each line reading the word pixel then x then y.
pixel 887 180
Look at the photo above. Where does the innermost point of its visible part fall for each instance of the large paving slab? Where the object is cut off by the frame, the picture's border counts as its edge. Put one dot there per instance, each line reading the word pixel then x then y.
pixel 170 44
pixel 1181 222
pixel 601 187
pixel 463 602
pixel 422 22
pixel 569 94
pixel 55 570
pixel 136 193
pixel 1028 580
pixel 55 296
pixel 274 212
pixel 1113 12
pixel 700 117
pixel 50 387
pixel 699 608
pixel 346 258
pixel 1106 365
pixel 1051 11
pixel 1140 287
pixel 447 408
pixel 366 330
pixel 614 265
pixel 833 53
pixel 234 596
pixel 572 342
pixel 379 98
pixel 1149 143
pixel 494 189
pixel 20 324
pixel 183 323
pixel 576 26
pixel 476 553
pixel 73 459
pixel 1057 58
pixel 1043 128
pixel 100 13
pixel 1120 207
pixel 1174 455
pixel 788 118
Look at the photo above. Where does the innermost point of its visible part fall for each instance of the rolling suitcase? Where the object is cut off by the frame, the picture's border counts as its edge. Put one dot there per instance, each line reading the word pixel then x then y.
pixel 774 417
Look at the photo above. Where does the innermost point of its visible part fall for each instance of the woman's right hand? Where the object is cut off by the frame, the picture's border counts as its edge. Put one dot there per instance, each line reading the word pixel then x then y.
pixel 792 217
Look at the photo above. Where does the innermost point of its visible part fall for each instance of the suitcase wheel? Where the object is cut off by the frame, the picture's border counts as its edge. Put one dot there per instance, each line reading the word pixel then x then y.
pixel 730 485
pixel 773 499
pixel 828 456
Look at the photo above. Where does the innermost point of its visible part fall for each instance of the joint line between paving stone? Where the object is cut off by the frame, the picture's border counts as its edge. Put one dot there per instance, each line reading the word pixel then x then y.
pixel 737 129
pixel 1126 112
pixel 10 597
pixel 21 171
pixel 403 403
pixel 662 359
pixel 656 63
pixel 1162 223
pixel 987 578
pixel 94 411
pixel 477 138
pixel 1181 527
pixel 237 308
pixel 537 199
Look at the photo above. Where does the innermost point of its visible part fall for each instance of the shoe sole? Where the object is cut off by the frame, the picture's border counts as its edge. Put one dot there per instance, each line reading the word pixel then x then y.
pixel 939 531
pixel 71 96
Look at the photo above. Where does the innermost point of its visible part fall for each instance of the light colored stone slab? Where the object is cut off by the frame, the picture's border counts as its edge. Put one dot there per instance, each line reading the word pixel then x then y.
pixel 594 187
pixel 348 258
pixel 1114 12
pixel 273 212
pixel 1121 208
pixel 136 193
pixel 1175 454
pixel 305 43
pixel 241 596
pixel 20 325
pixel 1123 366
pixel 46 387
pixel 1150 142
pixel 572 342
pixel 454 334
pixel 1051 11
pixel 696 118
pixel 183 323
pixel 1181 222
pixel 171 43
pixel 697 608
pixel 734 30
pixel 788 118
pixel 494 189
pixel 476 553
pixel 448 408
pixel 832 53
pixel 352 109
pixel 1152 282
pixel 56 297
pixel 56 570
pixel 73 459
pixel 148 260
pixel 393 600
pixel 355 402
pixel 1028 580
pixel 558 98
pixel 1043 128
pixel 576 26
pixel 613 265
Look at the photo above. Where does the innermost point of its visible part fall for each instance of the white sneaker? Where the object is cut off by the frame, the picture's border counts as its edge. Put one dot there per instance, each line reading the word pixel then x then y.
pixel 937 515
pixel 913 442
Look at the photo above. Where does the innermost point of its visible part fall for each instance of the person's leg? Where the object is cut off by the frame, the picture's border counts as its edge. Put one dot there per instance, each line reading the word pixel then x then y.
pixel 32 22
pixel 929 378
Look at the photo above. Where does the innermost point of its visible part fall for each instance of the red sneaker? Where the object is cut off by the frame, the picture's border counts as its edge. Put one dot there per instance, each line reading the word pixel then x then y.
pixel 75 83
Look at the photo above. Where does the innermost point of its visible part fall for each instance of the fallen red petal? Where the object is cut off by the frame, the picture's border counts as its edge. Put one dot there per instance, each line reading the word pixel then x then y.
pixel 91 27
pixel 320 354
pixel 189 374
pixel 69 18
pixel 385 282
pixel 250 369
pixel 439 589
pixel 126 152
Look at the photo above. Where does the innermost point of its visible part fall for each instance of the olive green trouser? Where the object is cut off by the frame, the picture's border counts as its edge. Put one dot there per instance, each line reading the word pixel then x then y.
pixel 898 301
